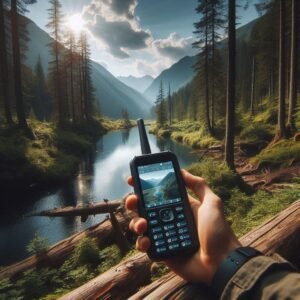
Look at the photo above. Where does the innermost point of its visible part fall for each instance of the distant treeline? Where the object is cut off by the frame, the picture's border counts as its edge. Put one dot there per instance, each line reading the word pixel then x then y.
pixel 239 72
pixel 66 94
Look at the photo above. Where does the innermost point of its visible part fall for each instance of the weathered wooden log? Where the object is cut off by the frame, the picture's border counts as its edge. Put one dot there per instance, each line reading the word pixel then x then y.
pixel 56 254
pixel 280 234
pixel 91 209
pixel 118 282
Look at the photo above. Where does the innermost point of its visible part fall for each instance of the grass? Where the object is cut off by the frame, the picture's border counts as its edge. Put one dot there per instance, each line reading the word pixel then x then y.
pixel 282 154
pixel 188 132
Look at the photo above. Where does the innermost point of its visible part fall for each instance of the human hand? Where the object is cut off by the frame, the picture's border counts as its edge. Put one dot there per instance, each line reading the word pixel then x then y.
pixel 216 237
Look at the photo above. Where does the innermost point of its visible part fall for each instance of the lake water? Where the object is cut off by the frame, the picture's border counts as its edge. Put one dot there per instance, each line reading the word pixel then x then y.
pixel 102 175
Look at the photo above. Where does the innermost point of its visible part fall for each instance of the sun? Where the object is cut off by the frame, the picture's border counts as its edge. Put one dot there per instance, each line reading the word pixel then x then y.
pixel 75 23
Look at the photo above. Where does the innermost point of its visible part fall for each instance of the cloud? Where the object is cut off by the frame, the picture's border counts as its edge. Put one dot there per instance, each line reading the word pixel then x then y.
pixel 112 22
pixel 174 47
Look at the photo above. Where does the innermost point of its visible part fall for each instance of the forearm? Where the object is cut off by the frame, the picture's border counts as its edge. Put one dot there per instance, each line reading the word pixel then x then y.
pixel 263 277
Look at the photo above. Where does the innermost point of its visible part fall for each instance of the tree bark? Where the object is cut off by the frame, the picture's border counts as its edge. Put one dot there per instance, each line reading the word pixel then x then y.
pixel 281 131
pixel 99 208
pixel 118 282
pixel 4 67
pixel 17 66
pixel 293 86
pixel 230 101
pixel 253 86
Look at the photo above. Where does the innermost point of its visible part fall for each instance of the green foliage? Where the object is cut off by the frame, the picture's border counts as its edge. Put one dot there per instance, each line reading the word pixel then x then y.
pixel 217 174
pixel 37 245
pixel 282 154
pixel 257 132
pixel 158 270
pixel 110 256
pixel 86 253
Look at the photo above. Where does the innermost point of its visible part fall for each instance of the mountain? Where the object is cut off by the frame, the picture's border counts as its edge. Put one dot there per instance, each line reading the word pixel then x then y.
pixel 178 75
pixel 111 93
pixel 138 83
pixel 145 185
pixel 168 179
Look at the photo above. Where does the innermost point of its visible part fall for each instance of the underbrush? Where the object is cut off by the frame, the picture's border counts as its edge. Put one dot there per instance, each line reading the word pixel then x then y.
pixel 86 262
pixel 244 211
pixel 282 154
pixel 191 133
pixel 51 157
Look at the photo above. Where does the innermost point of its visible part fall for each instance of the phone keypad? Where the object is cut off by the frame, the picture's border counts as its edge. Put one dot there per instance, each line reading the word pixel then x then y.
pixel 169 229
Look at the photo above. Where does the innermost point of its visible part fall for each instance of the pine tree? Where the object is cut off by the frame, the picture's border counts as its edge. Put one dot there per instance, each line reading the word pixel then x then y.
pixel 17 64
pixel 4 65
pixel 293 66
pixel 208 32
pixel 125 117
pixel 281 130
pixel 230 101
pixel 42 102
pixel 55 72
pixel 170 105
pixel 161 110
pixel 86 77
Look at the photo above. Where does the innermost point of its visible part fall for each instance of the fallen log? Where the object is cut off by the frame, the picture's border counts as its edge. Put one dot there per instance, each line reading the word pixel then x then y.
pixel 56 254
pixel 118 282
pixel 280 234
pixel 90 209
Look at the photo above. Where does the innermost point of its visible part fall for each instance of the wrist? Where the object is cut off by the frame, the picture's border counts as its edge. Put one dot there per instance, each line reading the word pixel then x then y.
pixel 213 263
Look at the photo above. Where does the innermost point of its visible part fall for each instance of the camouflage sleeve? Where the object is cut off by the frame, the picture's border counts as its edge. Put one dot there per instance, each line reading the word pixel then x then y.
pixel 264 277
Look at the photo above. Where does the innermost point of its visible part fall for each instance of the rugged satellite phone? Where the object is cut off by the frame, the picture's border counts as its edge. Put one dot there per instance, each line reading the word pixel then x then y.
pixel 163 202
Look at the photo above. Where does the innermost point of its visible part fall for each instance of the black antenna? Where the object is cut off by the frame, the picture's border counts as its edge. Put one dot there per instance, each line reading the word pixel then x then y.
pixel 145 147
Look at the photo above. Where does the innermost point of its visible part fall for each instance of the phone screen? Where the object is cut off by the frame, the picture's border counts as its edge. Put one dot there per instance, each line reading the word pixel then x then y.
pixel 159 184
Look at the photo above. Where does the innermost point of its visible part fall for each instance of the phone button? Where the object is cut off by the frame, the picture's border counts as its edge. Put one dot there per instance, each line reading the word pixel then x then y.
pixel 156 229
pixel 158 236
pixel 183 230
pixel 166 215
pixel 169 226
pixel 184 236
pixel 172 240
pixel 181 224
pixel 180 216
pixel 174 246
pixel 186 243
pixel 171 233
pixel 159 243
pixel 152 214
pixel 153 222
pixel 161 249
pixel 179 208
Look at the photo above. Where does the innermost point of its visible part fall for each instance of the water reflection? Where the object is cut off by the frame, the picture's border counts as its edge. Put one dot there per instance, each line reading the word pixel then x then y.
pixel 102 174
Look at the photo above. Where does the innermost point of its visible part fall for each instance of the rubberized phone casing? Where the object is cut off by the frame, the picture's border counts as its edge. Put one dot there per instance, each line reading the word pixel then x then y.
pixel 168 238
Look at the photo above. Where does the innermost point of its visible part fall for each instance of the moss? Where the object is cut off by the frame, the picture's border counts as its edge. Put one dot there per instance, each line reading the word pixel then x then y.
pixel 282 154
pixel 257 132
pixel 110 124
pixel 217 174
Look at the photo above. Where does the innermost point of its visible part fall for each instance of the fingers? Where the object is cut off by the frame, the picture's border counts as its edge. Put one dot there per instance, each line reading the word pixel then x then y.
pixel 138 225
pixel 131 202
pixel 130 180
pixel 142 243
pixel 195 183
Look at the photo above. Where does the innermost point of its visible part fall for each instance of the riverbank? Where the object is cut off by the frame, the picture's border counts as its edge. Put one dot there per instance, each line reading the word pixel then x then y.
pixel 52 157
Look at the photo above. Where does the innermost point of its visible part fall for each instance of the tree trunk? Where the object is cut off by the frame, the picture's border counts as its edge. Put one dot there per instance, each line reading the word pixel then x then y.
pixel 17 66
pixel 293 86
pixel 230 101
pixel 253 86
pixel 281 130
pixel 206 72
pixel 118 282
pixel 4 67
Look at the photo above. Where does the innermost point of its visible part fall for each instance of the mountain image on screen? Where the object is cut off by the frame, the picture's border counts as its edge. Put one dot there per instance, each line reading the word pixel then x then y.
pixel 157 190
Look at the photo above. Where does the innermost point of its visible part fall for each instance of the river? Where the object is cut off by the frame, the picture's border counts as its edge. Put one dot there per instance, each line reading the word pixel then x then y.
pixel 102 175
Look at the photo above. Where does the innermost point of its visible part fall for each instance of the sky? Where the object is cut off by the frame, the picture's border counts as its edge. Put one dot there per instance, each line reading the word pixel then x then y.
pixel 134 37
